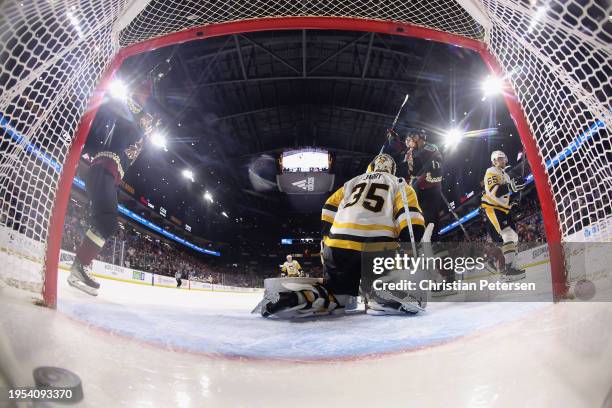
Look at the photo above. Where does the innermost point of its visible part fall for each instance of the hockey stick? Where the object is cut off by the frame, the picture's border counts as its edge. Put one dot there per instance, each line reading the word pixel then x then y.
pixel 450 209
pixel 523 158
pixel 395 121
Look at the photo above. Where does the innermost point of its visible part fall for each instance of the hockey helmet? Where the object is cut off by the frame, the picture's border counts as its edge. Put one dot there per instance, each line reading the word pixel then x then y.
pixel 498 154
pixel 383 162
pixel 416 132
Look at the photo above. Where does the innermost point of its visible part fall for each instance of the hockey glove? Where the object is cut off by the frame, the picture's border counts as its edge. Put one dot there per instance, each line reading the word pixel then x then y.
pixel 517 184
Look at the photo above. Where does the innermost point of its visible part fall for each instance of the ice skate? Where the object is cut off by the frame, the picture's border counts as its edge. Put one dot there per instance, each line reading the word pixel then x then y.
pixel 512 274
pixel 385 303
pixel 81 278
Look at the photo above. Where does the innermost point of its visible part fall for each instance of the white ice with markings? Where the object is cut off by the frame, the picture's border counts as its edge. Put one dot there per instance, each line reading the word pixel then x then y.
pixel 137 345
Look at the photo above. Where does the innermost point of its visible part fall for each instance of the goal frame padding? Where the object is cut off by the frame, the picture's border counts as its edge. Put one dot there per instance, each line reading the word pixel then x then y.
pixel 545 195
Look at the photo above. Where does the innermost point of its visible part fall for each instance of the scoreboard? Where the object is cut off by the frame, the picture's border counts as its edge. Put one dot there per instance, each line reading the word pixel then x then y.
pixel 305 171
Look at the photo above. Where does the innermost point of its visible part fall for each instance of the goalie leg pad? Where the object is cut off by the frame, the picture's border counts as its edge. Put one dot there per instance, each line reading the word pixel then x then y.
pixel 294 299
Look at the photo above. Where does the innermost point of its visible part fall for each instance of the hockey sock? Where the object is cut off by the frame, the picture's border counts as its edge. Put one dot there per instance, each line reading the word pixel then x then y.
pixel 509 249
pixel 90 247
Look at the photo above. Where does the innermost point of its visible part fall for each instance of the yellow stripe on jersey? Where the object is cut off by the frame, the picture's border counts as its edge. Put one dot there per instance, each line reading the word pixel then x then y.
pixel 493 218
pixel 486 205
pixel 336 198
pixel 327 218
pixel 415 221
pixel 360 246
pixel 416 217
pixel 328 213
pixel 398 202
pixel 99 241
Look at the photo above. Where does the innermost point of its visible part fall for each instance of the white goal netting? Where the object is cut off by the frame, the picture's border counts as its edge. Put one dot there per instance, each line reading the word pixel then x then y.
pixel 556 55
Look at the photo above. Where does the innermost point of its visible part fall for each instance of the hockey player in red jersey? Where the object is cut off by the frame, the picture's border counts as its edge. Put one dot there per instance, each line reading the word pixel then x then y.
pixel 122 127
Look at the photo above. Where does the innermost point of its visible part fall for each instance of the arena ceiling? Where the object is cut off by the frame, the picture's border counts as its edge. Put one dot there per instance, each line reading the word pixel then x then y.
pixel 238 98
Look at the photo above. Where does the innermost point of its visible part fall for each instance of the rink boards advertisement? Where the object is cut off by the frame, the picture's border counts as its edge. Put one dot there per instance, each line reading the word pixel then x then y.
pixel 115 272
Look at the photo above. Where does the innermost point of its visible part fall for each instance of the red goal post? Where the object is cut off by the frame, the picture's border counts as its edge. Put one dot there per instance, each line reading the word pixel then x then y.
pixel 26 94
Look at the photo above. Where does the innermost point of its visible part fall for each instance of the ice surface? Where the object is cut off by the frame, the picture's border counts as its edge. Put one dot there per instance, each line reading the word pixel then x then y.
pixel 137 345
pixel 221 323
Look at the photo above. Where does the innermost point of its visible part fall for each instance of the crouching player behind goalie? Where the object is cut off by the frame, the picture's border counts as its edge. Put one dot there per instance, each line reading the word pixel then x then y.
pixel 367 214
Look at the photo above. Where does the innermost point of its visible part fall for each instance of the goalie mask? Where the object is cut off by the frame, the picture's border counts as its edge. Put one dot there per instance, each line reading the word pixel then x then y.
pixel 496 155
pixel 383 162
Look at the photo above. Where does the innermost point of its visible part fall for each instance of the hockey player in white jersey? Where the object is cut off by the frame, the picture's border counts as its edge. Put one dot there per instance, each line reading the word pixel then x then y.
pixel 367 214
pixel 291 268
pixel 496 205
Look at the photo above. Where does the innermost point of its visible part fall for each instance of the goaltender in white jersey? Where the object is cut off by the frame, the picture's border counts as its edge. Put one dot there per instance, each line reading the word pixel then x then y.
pixel 369 213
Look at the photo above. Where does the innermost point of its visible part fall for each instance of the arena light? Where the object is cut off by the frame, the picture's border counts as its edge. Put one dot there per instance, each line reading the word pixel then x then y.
pixel 491 86
pixel 537 16
pixel 453 137
pixel 225 214
pixel 208 197
pixel 159 140
pixel 118 90
pixel 188 174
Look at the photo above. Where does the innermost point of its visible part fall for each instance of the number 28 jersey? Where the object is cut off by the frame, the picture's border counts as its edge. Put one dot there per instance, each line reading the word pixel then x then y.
pixel 367 214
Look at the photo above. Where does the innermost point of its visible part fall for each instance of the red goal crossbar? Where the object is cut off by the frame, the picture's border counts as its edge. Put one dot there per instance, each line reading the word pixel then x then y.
pixel 545 195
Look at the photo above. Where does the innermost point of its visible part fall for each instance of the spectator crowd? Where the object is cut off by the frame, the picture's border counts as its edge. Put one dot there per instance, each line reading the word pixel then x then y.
pixel 138 250
pixel 251 264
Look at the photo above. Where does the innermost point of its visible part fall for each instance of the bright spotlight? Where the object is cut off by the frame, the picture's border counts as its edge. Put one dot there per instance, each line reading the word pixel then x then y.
pixel 208 197
pixel 492 85
pixel 188 174
pixel 225 214
pixel 118 90
pixel 453 137
pixel 159 140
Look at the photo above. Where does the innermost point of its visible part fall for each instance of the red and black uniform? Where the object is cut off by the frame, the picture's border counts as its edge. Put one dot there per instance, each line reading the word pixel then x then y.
pixel 425 168
pixel 115 141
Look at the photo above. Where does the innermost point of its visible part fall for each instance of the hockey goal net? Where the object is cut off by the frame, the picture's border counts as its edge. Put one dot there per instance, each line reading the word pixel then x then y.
pixel 57 57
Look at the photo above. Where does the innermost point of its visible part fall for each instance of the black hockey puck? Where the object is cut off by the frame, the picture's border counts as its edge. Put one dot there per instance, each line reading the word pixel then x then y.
pixel 60 379
pixel 585 289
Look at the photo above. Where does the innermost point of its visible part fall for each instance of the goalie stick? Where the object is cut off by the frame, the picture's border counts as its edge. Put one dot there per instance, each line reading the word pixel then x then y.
pixel 403 186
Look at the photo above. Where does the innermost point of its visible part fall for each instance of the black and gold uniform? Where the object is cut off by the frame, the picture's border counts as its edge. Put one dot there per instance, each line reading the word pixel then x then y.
pixel 496 207
pixel 291 268
pixel 367 214
pixel 495 202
